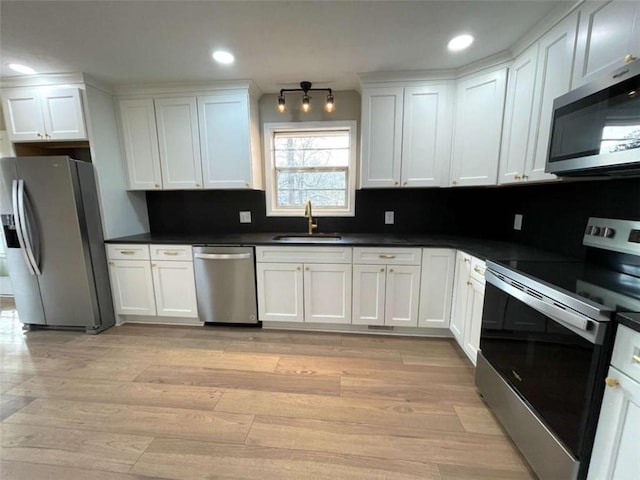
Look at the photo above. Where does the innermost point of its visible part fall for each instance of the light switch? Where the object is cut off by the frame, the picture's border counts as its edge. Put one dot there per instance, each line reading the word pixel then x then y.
pixel 388 218
pixel 517 221
pixel 245 217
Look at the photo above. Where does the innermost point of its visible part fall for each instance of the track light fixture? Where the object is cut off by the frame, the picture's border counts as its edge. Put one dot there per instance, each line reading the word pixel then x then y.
pixel 305 87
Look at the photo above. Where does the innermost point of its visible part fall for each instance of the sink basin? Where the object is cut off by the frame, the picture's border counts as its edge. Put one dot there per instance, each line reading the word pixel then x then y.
pixel 304 237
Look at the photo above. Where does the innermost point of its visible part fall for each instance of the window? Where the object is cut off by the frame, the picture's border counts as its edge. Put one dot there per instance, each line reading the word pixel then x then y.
pixel 310 161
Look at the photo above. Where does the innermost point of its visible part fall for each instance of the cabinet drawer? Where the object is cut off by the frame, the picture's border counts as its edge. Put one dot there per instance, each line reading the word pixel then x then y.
pixel 626 352
pixel 171 252
pixel 387 256
pixel 132 251
pixel 478 268
pixel 303 254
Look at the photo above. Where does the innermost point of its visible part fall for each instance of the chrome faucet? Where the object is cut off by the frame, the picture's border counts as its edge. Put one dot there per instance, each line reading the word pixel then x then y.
pixel 308 214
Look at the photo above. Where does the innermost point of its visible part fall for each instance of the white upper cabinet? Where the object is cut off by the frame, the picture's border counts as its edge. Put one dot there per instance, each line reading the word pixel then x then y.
pixel 179 143
pixel 478 126
pixel 426 136
pixel 140 141
pixel 553 78
pixel 381 137
pixel 517 125
pixel 225 142
pixel 608 31
pixel 36 114
pixel 192 142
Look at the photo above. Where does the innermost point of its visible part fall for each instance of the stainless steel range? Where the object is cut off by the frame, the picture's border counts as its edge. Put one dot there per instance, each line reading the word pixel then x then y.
pixel 546 341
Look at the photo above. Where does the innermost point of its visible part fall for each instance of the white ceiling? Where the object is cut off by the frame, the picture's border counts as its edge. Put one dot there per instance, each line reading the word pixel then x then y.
pixel 276 43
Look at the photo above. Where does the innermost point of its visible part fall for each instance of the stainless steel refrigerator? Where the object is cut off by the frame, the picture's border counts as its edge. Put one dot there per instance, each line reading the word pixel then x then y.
pixel 55 246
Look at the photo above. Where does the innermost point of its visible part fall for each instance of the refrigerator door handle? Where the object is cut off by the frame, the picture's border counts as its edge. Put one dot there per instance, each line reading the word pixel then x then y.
pixel 26 228
pixel 19 231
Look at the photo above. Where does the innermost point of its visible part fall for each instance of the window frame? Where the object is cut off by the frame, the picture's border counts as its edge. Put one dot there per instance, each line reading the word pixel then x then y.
pixel 270 129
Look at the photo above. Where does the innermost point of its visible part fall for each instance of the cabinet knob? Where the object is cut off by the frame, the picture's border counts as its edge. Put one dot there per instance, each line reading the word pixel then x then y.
pixel 468 283
pixel 611 382
pixel 454 182
pixel 153 264
pixel 382 269
pixel 635 358
pixel 467 260
pixel 247 184
pixel 298 268
pixel 47 135
pixel 397 183
pixel 110 263
pixel 629 58
pixel 157 186
pixel 197 184
pixel 39 135
pixel 307 269
pixel 524 177
pixel 517 177
pixel 391 270
pixel 405 183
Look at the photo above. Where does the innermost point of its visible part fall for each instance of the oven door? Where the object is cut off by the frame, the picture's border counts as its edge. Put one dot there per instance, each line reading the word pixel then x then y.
pixel 547 353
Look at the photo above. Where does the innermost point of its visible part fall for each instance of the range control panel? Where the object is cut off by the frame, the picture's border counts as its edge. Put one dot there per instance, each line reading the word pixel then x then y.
pixel 611 234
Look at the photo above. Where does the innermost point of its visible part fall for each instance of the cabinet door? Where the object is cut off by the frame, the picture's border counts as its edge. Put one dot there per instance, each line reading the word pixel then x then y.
pixel 615 451
pixel 436 287
pixel 402 296
pixel 140 140
pixel 175 289
pixel 475 302
pixel 280 290
pixel 369 285
pixel 426 136
pixel 478 127
pixel 515 153
pixel 224 141
pixel 179 144
pixel 608 31
pixel 23 115
pixel 553 79
pixel 327 293
pixel 381 137
pixel 460 293
pixel 63 114
pixel 132 287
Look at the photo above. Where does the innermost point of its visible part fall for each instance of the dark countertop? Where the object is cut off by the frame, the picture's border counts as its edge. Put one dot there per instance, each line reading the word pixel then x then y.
pixel 631 320
pixel 484 249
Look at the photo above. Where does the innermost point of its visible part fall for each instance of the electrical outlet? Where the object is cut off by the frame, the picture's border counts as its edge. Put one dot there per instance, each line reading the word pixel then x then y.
pixel 388 218
pixel 245 217
pixel 517 221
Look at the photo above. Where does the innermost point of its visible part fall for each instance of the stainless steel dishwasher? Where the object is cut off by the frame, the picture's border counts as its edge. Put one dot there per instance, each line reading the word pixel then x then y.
pixel 226 284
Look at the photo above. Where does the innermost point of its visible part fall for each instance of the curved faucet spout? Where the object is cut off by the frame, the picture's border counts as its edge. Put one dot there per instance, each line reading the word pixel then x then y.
pixel 308 214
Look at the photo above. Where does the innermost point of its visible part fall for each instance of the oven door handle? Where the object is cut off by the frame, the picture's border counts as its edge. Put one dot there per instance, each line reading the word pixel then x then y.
pixel 583 326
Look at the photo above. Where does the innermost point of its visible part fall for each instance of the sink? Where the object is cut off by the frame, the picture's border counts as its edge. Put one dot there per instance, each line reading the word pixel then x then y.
pixel 306 238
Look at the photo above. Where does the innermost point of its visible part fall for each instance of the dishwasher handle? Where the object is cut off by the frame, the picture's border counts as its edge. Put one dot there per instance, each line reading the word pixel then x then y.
pixel 222 256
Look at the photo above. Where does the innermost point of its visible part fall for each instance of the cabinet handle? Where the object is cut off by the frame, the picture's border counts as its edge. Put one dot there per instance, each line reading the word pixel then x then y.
pixel 629 58
pixel 478 270
pixel 170 253
pixel 127 252
pixel 635 358
pixel 611 382
pixel 387 256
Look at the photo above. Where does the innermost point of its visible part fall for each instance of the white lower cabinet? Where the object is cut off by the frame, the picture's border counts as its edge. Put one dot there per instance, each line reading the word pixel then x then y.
pixel 387 293
pixel 280 296
pixel 175 290
pixel 327 293
pixel 468 300
pixel 132 287
pixel 436 287
pixel 145 284
pixel 305 289
pixel 615 449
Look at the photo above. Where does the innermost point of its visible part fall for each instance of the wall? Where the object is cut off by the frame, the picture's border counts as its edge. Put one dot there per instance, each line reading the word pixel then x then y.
pixel 555 215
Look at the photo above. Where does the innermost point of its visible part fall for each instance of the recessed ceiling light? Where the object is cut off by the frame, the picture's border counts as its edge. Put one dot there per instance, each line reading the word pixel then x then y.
pixel 21 68
pixel 223 57
pixel 460 43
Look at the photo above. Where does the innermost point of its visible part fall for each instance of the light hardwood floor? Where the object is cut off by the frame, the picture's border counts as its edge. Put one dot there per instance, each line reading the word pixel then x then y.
pixel 141 402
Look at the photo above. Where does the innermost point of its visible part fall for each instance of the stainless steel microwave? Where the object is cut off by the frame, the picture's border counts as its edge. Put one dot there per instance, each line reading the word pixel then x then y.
pixel 596 128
